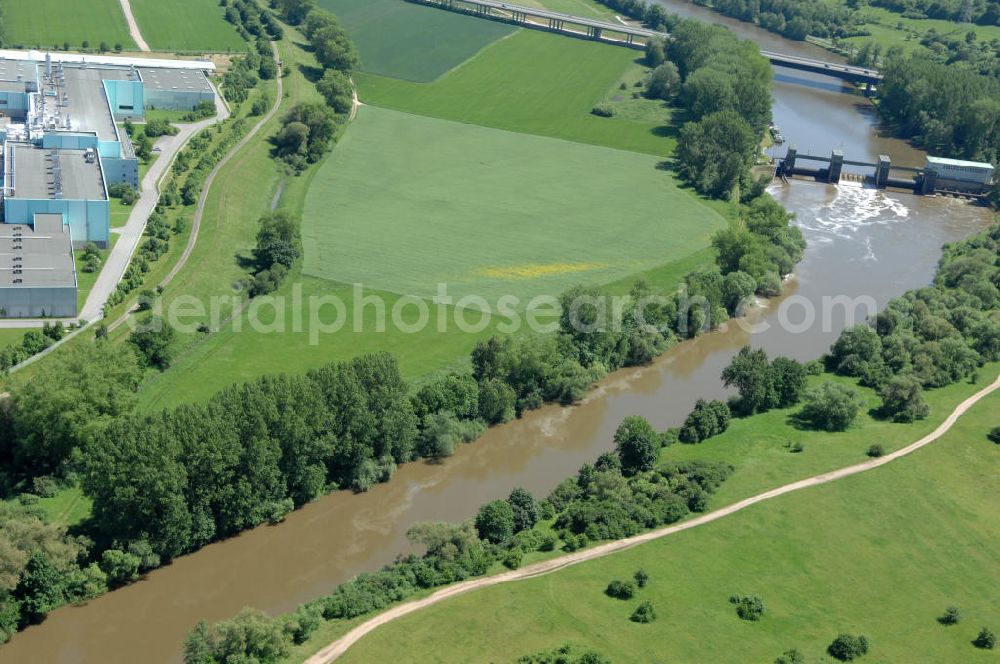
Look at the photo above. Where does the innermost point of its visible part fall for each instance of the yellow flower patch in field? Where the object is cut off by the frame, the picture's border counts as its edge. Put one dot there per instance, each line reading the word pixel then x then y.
pixel 537 270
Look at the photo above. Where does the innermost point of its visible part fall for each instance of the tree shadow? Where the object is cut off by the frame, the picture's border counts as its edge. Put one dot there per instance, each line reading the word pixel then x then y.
pixel 245 262
pixel 312 74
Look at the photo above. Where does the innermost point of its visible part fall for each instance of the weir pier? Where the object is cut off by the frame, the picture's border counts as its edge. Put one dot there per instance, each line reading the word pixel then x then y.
pixel 939 175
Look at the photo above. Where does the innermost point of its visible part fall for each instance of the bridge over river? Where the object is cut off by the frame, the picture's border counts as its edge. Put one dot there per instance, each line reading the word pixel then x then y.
pixel 630 35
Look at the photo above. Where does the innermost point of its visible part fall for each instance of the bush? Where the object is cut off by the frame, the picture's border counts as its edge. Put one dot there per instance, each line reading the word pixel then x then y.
pixel 796 447
pixel 876 450
pixel 847 647
pixel 748 607
pixel 512 559
pixel 603 111
pixel 986 640
pixel 641 578
pixel 994 435
pixel 831 407
pixel 644 613
pixel 45 486
pixel 620 589
pixel 495 521
pixel 792 656
pixel 951 616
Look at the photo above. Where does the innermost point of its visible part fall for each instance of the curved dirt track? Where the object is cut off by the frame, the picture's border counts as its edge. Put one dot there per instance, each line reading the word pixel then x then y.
pixel 341 645
pixel 133 26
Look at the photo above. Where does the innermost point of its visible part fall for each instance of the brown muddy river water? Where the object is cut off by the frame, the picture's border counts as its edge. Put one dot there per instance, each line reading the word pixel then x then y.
pixel 862 244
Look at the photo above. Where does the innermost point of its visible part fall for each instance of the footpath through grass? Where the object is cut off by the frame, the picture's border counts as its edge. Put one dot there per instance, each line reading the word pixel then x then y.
pixel 186 25
pixel 413 42
pixel 535 83
pixel 539 614
pixel 406 203
pixel 881 553
pixel 51 23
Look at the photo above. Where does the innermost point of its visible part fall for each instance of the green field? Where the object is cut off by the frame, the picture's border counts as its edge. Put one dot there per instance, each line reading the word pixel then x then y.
pixel 411 42
pixel 531 82
pixel 408 202
pixel 50 23
pixel 186 25
pixel 881 554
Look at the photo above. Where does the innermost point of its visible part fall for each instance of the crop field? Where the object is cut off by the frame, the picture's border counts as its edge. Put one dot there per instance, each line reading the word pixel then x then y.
pixel 411 42
pixel 408 202
pixel 186 25
pixel 48 23
pixel 536 83
pixel 881 554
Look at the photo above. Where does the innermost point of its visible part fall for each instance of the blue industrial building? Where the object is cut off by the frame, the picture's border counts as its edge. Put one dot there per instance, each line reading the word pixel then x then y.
pixel 63 149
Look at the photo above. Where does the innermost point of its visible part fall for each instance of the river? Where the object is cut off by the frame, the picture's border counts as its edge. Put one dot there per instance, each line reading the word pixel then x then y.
pixel 862 243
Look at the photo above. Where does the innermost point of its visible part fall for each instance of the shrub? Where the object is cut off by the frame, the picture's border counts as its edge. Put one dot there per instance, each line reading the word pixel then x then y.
pixel 45 486
pixel 847 647
pixel 951 616
pixel 876 450
pixel 641 578
pixel 792 656
pixel 495 521
pixel 994 435
pixel 620 589
pixel 512 559
pixel 748 607
pixel 831 407
pixel 986 640
pixel 796 447
pixel 644 613
pixel 603 111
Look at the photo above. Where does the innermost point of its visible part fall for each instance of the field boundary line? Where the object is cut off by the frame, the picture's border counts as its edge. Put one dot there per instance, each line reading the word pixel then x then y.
pixel 337 648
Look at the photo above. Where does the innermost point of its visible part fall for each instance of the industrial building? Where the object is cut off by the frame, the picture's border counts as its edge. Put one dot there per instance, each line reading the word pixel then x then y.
pixel 62 150
pixel 957 175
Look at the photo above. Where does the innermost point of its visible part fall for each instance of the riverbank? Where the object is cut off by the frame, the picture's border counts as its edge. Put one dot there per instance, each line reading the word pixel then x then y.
pixel 533 611
pixel 884 531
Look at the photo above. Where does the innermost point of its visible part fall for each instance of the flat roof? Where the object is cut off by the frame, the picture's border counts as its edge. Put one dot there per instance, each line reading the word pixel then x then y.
pixel 35 174
pixel 11 69
pixel 174 80
pixel 945 161
pixel 120 60
pixel 40 257
pixel 87 103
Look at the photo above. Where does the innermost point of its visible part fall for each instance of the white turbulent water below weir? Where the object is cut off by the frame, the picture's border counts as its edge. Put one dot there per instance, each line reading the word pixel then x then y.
pixel 862 243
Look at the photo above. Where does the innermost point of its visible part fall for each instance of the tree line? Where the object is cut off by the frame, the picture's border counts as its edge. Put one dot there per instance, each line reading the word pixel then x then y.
pixel 617 496
pixel 310 129
pixel 930 337
pixel 725 91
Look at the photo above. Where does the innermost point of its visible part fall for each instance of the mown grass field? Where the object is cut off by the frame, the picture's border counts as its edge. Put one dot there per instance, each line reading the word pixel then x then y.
pixel 890 28
pixel 536 83
pixel 411 42
pixel 881 554
pixel 49 23
pixel 408 202
pixel 186 25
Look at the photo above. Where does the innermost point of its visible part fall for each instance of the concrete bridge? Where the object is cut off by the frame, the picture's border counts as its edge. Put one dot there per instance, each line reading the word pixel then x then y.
pixel 831 168
pixel 629 35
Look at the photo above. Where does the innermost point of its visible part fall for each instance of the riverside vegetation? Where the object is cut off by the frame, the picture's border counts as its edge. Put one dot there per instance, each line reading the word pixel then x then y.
pixel 168 483
pixel 928 338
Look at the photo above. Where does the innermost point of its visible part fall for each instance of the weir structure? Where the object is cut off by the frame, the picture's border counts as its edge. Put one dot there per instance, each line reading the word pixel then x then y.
pixel 928 180
pixel 631 36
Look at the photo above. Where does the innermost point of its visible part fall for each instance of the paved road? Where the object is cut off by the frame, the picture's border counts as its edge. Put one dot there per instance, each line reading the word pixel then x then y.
pixel 133 27
pixel 341 645
pixel 130 235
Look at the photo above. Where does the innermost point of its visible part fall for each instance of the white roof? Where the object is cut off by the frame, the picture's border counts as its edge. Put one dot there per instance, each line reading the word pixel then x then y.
pixel 100 59
pixel 945 161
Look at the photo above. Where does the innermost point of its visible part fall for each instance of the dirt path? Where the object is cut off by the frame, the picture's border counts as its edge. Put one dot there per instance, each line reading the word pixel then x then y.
pixel 341 645
pixel 133 27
